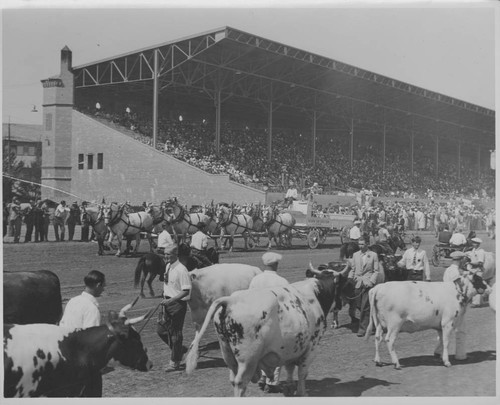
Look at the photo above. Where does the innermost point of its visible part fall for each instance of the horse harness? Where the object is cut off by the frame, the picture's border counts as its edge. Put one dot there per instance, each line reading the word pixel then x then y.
pixel 119 217
pixel 229 221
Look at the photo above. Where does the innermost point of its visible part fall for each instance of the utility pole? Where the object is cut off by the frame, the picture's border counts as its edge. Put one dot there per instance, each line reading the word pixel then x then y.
pixel 8 144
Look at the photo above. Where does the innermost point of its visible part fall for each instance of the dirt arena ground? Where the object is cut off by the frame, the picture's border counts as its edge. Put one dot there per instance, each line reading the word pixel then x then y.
pixel 344 368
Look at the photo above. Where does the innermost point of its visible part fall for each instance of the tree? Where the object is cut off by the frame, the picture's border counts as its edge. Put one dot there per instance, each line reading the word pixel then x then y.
pixel 12 167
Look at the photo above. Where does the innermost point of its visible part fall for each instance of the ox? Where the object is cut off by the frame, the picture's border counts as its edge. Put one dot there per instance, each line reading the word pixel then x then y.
pixel 31 297
pixel 212 282
pixel 264 328
pixel 411 306
pixel 53 361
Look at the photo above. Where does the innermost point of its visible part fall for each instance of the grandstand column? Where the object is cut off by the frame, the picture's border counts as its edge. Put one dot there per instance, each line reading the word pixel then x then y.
pixel 437 155
pixel 383 154
pixel 314 139
pixel 412 154
pixel 478 161
pixel 270 132
pixel 217 122
pixel 351 154
pixel 459 164
pixel 155 99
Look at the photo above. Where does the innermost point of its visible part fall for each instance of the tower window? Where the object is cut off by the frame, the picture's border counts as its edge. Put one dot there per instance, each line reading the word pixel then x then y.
pixel 99 161
pixel 90 162
pixel 81 161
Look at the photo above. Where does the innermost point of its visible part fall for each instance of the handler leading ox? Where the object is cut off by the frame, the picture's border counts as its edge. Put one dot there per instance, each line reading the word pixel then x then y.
pixel 53 361
pixel 411 306
pixel 269 327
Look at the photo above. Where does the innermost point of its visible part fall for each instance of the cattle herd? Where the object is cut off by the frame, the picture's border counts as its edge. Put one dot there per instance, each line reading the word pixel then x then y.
pixel 256 329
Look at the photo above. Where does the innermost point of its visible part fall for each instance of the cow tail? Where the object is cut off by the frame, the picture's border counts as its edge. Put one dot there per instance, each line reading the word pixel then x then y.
pixel 138 271
pixel 373 313
pixel 192 356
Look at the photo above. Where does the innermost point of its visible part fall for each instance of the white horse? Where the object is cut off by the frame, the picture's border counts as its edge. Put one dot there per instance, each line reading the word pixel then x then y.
pixel 182 222
pixel 232 224
pixel 279 226
pixel 122 224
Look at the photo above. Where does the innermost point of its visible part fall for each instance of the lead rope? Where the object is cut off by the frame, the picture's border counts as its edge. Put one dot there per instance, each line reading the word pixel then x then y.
pixel 149 317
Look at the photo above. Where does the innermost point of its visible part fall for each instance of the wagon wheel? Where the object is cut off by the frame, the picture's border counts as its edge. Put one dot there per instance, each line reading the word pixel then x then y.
pixel 313 238
pixel 435 256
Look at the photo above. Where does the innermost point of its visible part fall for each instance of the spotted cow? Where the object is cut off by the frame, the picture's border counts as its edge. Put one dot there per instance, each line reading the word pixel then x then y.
pixel 53 361
pixel 261 329
pixel 412 306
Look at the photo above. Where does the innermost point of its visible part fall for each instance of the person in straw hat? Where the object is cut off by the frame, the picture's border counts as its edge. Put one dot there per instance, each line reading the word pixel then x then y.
pixel 355 232
pixel 269 278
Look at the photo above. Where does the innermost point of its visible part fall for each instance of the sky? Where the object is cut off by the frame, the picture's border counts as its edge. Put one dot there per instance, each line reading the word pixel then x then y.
pixel 448 48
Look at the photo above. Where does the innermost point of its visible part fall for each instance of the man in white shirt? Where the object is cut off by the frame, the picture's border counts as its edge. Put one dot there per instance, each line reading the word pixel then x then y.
pixel 82 311
pixel 199 241
pixel 291 193
pixel 60 218
pixel 269 278
pixel 176 293
pixel 164 238
pixel 355 232
pixel 458 240
pixel 453 272
pixel 416 262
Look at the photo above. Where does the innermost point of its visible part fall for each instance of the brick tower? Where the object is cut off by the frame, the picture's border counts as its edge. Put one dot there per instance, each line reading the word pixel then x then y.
pixel 57 130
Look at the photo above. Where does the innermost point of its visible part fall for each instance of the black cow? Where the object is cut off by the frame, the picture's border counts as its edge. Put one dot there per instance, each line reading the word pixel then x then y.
pixel 31 297
pixel 53 361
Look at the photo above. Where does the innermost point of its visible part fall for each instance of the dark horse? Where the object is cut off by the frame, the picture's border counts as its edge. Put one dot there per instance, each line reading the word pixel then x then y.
pixel 154 265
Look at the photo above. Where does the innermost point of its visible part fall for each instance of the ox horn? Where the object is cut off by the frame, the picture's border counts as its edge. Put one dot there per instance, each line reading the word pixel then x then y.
pixel 133 321
pixel 316 271
pixel 127 307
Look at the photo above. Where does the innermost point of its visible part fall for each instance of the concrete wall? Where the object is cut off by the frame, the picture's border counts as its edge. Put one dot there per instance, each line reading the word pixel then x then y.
pixel 136 172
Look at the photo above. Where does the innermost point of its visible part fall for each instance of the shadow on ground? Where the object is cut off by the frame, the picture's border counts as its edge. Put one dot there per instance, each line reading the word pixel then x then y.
pixel 472 358
pixel 330 387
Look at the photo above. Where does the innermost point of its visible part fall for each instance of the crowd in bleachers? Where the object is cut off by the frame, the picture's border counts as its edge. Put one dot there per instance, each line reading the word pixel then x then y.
pixel 243 156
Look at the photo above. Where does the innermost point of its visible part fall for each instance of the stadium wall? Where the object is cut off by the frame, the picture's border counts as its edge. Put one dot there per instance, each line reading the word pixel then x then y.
pixel 135 172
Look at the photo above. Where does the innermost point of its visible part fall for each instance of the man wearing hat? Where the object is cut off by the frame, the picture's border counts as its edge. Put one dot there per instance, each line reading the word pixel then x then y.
pixel 355 232
pixel 383 237
pixel 164 238
pixel 176 292
pixel 416 262
pixel 269 278
pixel 451 275
pixel 15 219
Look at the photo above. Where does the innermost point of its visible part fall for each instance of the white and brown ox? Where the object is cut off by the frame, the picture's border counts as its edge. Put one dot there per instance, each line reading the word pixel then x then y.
pixel 412 306
pixel 261 329
pixel 53 361
pixel 216 281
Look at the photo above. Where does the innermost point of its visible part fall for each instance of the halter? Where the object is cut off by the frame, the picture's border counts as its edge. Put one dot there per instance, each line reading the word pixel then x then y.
pixel 119 217
pixel 182 217
pixel 273 218
pixel 229 221
pixel 99 218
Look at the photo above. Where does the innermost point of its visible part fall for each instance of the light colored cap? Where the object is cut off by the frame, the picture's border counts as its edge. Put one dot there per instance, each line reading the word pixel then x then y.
pixel 269 258
pixel 171 248
pixel 457 255
pixel 476 240
pixel 357 222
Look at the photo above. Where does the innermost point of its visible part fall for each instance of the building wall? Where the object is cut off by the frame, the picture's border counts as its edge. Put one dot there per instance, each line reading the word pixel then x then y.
pixel 136 172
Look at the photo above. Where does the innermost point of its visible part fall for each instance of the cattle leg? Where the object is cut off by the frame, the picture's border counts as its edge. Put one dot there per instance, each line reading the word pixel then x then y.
pixel 335 320
pixel 446 341
pixel 378 340
pixel 302 375
pixel 289 386
pixel 390 338
pixel 438 351
pixel 246 371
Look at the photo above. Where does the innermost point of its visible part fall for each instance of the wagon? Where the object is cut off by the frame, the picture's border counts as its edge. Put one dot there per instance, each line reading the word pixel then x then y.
pixel 316 226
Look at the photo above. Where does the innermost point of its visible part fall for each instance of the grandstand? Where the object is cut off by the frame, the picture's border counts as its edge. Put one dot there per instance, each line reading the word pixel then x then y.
pixel 227 115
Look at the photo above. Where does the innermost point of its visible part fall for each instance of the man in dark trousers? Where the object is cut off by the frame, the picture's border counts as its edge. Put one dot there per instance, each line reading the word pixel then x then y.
pixel 364 271
pixel 176 293
pixel 38 221
pixel 73 219
pixel 29 220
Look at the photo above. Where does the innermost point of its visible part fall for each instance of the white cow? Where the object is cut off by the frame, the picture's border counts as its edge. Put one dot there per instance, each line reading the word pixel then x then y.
pixel 212 282
pixel 269 327
pixel 409 306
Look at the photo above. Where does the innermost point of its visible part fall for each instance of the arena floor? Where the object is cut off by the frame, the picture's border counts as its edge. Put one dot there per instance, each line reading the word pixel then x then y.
pixel 344 368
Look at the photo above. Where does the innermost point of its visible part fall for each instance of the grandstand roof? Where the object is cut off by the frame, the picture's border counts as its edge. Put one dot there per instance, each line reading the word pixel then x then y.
pixel 251 70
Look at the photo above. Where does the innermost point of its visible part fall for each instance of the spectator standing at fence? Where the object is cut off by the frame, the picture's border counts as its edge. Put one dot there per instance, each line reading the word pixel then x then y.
pixel 60 218
pixel 29 220
pixel 46 221
pixel 38 220
pixel 15 219
pixel 73 219
pixel 85 225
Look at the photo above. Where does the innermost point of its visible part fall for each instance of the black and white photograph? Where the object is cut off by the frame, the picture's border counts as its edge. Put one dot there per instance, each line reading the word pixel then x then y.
pixel 259 199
